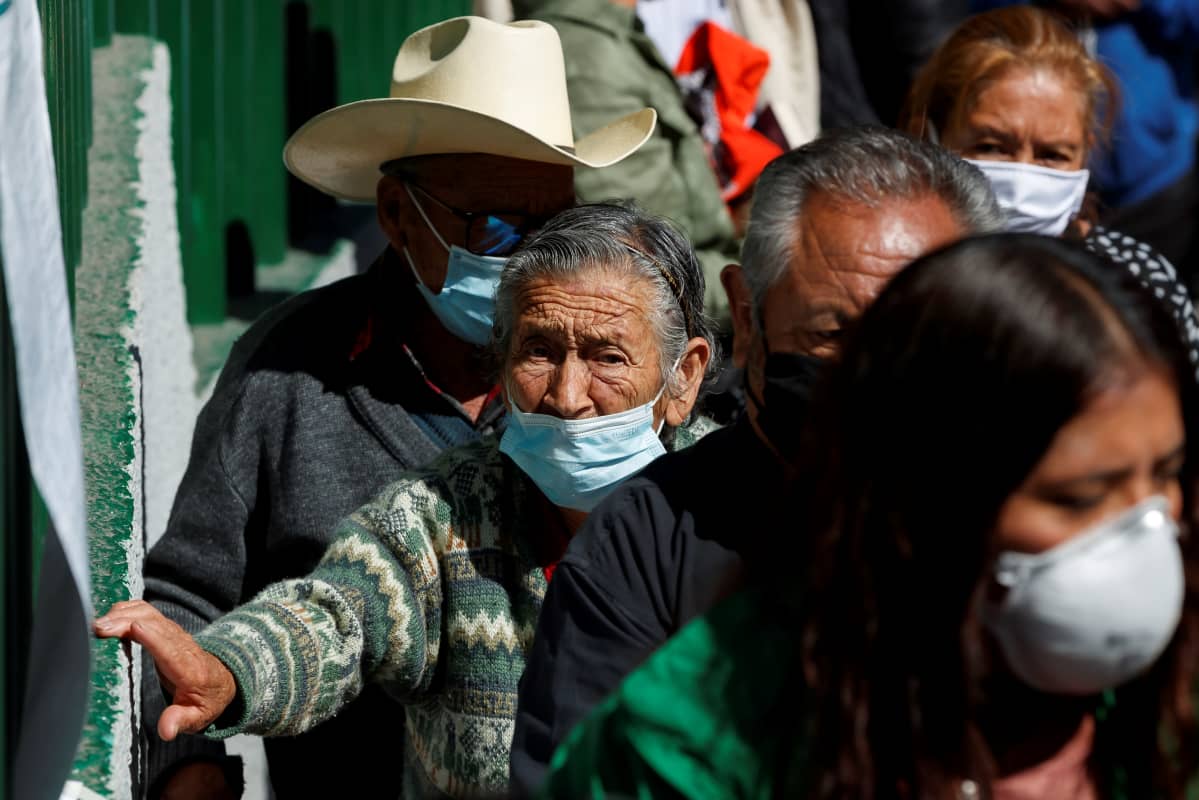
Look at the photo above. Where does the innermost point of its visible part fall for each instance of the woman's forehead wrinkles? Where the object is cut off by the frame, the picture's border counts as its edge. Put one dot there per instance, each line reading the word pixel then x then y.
pixel 583 325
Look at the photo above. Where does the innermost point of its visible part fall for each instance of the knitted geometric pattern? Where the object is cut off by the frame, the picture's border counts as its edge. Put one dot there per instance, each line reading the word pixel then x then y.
pixel 432 590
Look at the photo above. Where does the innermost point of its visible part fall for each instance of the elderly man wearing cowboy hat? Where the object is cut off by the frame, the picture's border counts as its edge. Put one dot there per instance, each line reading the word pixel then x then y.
pixel 335 393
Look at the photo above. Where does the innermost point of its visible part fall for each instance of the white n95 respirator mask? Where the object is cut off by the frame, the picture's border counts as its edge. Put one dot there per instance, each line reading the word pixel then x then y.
pixel 1096 610
pixel 1035 199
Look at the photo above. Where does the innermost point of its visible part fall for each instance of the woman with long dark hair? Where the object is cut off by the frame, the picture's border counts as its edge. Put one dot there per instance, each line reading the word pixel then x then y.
pixel 996 507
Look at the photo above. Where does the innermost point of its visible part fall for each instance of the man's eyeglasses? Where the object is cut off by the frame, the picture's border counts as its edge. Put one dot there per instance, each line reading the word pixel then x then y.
pixel 494 233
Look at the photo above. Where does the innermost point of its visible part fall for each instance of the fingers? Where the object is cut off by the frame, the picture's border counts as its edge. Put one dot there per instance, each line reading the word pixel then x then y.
pixel 165 641
pixel 115 624
pixel 183 719
pixel 140 622
pixel 201 686
pixel 172 648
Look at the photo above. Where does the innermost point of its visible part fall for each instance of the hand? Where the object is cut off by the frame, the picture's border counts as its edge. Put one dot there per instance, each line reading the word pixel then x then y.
pixel 198 780
pixel 201 687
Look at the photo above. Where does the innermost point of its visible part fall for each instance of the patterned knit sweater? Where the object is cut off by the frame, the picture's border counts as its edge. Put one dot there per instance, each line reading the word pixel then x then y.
pixel 432 590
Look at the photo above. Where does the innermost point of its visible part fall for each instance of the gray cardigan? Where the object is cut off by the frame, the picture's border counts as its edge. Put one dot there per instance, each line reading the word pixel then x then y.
pixel 318 407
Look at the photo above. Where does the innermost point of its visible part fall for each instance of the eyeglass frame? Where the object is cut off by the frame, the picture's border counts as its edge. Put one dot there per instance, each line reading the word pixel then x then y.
pixel 523 230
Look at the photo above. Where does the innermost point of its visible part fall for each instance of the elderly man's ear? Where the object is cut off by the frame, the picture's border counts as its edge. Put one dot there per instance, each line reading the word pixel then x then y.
pixel 732 278
pixel 391 204
pixel 692 368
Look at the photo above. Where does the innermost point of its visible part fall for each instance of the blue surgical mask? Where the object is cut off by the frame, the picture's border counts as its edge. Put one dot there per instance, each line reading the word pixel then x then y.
pixel 576 463
pixel 466 303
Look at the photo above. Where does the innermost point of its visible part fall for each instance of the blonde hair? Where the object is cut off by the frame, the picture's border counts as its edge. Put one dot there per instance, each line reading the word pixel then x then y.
pixel 987 47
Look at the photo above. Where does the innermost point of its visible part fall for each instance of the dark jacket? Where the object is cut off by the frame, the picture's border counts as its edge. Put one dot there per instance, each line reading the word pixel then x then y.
pixel 661 550
pixel 869 52
pixel 319 406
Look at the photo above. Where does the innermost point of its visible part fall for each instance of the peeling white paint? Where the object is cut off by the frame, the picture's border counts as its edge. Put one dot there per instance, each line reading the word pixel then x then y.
pixel 163 337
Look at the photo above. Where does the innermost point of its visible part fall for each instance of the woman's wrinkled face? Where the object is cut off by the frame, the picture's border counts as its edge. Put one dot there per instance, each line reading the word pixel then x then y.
pixel 1030 116
pixel 584 347
pixel 1125 446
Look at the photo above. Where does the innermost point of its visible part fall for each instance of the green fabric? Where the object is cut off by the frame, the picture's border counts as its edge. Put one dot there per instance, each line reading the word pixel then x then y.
pixel 613 69
pixel 699 719
pixel 696 720
pixel 432 590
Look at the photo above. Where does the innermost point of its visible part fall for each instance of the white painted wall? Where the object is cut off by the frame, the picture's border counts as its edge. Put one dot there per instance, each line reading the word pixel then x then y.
pixel 161 332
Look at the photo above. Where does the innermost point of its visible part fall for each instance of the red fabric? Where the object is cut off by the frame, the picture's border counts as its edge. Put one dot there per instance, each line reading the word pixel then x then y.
pixel 364 338
pixel 557 539
pixel 736 69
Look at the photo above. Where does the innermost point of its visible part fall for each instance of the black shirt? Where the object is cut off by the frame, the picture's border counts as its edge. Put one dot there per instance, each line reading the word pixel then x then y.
pixel 661 550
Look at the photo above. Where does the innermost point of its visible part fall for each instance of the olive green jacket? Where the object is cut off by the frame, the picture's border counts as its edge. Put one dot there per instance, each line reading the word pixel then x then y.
pixel 613 69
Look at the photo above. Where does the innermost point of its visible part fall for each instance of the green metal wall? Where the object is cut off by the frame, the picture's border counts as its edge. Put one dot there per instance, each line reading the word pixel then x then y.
pixel 234 65
pixel 244 73
pixel 66 33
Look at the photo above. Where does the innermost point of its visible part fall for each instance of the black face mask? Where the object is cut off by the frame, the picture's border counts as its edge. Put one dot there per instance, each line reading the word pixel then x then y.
pixel 788 381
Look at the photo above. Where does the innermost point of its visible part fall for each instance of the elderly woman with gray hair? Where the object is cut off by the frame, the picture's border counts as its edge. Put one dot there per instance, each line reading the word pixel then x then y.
pixel 433 589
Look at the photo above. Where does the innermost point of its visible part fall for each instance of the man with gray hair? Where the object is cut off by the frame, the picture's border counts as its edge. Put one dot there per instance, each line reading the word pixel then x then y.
pixel 831 223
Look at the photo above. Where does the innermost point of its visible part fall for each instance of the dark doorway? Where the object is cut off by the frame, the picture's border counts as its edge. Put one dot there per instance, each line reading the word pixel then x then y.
pixel 239 260
pixel 311 74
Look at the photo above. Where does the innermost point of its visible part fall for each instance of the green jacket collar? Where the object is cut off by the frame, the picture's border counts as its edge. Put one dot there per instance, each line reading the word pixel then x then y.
pixel 619 22
pixel 605 15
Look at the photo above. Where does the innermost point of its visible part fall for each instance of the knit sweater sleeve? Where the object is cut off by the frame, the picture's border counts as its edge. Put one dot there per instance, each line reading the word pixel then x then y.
pixel 302 649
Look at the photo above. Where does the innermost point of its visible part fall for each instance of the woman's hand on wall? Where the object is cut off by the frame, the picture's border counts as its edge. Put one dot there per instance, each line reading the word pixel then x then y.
pixel 201 687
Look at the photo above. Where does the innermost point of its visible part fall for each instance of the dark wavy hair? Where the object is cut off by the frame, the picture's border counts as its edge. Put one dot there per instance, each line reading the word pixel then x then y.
pixel 948 393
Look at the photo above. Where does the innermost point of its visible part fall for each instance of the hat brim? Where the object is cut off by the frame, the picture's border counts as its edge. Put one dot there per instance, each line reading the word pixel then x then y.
pixel 340 150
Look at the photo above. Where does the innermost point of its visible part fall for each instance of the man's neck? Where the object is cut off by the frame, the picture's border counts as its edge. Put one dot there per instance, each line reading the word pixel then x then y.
pixel 457 368
pixel 751 412
pixel 573 519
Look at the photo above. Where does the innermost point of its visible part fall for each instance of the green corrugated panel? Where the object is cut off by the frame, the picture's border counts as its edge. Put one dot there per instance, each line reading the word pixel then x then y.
pixel 360 22
pixel 190 31
pixel 79 58
pixel 51 37
pixel 238 104
pixel 265 176
pixel 227 147
pixel 68 95
pixel 86 42
pixel 204 267
pixel 137 16
pixel 172 23
pixel 326 16
pixel 79 48
pixel 349 48
pixel 391 34
pixel 104 19
pixel 383 50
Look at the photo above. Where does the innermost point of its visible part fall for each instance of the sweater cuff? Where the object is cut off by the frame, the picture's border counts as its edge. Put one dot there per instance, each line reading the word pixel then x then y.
pixel 235 719
pixel 245 714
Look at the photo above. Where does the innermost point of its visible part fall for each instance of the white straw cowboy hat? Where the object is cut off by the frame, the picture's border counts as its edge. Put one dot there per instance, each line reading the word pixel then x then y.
pixel 466 85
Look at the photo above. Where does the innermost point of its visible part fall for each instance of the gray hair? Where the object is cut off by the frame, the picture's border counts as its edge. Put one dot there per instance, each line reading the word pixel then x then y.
pixel 626 240
pixel 865 165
